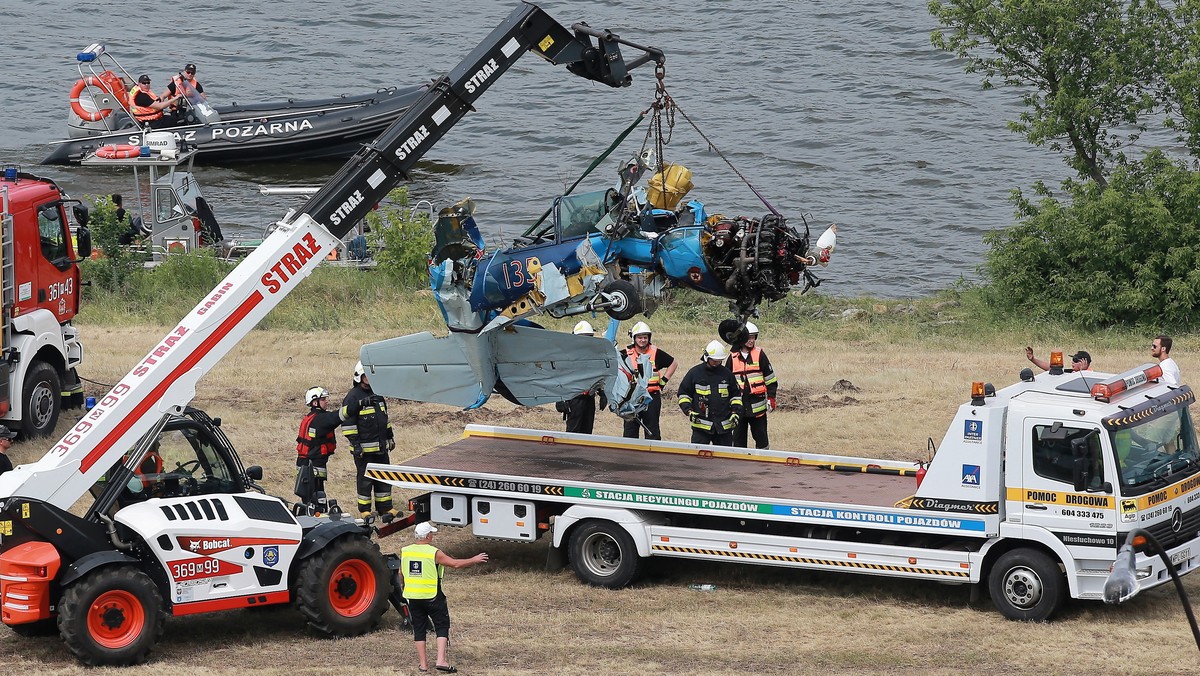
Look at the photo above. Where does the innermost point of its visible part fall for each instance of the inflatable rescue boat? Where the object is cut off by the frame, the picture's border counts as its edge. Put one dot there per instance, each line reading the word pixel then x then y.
pixel 330 128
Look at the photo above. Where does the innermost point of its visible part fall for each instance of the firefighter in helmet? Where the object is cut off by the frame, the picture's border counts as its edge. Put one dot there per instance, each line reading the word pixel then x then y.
pixel 710 398
pixel 758 384
pixel 580 411
pixel 662 367
pixel 366 426
pixel 315 442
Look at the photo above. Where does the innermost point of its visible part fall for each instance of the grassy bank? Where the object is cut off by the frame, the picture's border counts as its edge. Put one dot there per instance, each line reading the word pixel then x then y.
pixel 858 376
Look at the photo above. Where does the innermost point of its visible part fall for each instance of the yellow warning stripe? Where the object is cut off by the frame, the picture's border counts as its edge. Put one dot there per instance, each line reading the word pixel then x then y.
pixel 409 477
pixel 808 560
pixel 1113 421
pixel 706 452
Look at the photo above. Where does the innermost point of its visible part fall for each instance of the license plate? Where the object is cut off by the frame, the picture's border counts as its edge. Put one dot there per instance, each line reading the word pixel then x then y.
pixel 1181 556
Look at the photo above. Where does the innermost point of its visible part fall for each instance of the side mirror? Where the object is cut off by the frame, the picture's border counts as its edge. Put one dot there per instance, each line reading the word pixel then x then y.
pixel 83 241
pixel 82 216
pixel 254 473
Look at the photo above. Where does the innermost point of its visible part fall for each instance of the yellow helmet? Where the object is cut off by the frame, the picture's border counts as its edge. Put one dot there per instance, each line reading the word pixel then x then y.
pixel 583 327
pixel 640 328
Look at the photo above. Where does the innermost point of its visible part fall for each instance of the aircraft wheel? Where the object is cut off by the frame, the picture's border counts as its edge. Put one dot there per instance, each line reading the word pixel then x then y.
pixel 343 589
pixel 623 300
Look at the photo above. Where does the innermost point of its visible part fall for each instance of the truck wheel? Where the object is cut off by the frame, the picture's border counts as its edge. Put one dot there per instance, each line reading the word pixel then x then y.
pixel 343 589
pixel 623 299
pixel 603 555
pixel 112 617
pixel 1026 584
pixel 41 400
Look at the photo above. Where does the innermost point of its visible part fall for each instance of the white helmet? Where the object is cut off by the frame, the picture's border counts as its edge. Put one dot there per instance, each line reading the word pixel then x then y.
pixel 751 329
pixel 716 350
pixel 640 328
pixel 315 393
pixel 583 327
pixel 359 372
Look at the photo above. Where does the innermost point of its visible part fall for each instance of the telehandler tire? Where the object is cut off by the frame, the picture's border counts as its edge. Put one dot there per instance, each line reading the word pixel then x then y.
pixel 112 617
pixel 343 589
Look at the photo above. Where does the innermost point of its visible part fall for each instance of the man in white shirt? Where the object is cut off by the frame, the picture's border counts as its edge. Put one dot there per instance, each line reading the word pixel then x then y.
pixel 1160 349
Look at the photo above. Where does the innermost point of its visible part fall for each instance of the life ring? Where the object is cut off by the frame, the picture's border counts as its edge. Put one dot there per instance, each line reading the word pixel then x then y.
pixel 108 82
pixel 118 152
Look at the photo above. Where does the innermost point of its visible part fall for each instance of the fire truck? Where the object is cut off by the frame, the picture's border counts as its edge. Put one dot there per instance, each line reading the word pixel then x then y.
pixel 175 535
pixel 1032 492
pixel 39 296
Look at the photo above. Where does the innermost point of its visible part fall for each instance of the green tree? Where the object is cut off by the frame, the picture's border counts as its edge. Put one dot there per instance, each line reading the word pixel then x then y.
pixel 1091 71
pixel 1126 254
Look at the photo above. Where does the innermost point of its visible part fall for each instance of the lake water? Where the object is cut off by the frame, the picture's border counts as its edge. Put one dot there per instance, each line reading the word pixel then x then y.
pixel 838 109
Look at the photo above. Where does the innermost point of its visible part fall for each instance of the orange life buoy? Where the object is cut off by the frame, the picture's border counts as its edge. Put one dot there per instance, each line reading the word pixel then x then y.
pixel 118 152
pixel 107 81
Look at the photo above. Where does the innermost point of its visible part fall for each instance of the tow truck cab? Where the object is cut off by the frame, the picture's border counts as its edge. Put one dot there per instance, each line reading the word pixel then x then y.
pixel 1071 462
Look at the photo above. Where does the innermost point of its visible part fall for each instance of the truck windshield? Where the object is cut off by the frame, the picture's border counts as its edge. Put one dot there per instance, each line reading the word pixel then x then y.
pixel 1156 451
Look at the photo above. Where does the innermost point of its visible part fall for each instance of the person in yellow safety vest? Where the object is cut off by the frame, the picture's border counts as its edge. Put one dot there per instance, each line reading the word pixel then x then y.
pixel 663 366
pixel 579 411
pixel 145 107
pixel 423 566
pixel 367 427
pixel 710 397
pixel 757 381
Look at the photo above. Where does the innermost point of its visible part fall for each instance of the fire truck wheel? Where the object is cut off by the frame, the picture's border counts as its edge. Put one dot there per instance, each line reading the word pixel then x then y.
pixel 624 300
pixel 1026 584
pixel 41 400
pixel 111 617
pixel 343 589
pixel 603 555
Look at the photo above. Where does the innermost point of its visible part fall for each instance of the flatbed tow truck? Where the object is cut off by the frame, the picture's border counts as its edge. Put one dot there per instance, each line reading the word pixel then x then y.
pixel 1032 492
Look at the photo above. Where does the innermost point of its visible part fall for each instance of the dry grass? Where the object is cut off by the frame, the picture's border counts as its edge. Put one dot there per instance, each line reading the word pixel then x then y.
pixel 511 617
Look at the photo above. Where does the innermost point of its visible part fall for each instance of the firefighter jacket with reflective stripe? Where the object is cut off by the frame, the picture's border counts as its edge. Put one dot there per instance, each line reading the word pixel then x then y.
pixel 756 379
pixel 143 113
pixel 421 572
pixel 712 394
pixel 317 433
pixel 365 420
pixel 654 383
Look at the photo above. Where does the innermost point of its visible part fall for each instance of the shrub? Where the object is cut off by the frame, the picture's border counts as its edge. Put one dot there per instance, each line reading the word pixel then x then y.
pixel 113 269
pixel 402 238
pixel 1125 254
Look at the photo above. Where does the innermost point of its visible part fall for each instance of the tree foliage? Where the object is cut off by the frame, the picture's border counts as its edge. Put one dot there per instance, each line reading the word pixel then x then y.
pixel 1091 71
pixel 1125 254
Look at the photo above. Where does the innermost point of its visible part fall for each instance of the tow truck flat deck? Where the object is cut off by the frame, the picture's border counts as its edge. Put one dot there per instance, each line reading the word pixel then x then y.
pixel 630 464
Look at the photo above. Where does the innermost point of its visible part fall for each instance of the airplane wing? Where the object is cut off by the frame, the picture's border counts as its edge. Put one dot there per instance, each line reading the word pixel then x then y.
pixel 462 369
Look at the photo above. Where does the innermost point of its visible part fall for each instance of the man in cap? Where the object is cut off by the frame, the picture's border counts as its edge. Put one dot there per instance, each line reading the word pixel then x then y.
pixel 758 384
pixel 1080 361
pixel 580 411
pixel 662 367
pixel 184 85
pixel 147 108
pixel 710 397
pixel 423 566
pixel 6 442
